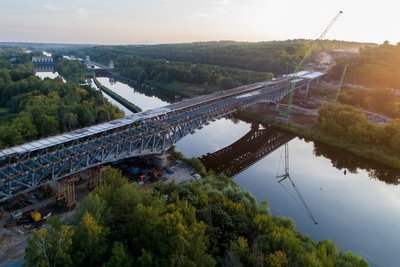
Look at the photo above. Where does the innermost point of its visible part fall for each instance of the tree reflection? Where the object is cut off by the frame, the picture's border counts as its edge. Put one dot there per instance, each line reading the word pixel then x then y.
pixel 344 160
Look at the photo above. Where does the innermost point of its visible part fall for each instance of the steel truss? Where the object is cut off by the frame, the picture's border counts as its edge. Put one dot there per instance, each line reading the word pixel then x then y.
pixel 22 173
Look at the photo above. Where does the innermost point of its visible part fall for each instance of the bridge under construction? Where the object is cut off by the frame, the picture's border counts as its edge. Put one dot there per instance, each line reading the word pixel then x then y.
pixel 46 161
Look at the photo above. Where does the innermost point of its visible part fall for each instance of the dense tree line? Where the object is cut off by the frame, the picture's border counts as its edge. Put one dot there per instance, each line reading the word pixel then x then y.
pixel 210 222
pixel 198 68
pixel 164 72
pixel 31 108
pixel 351 124
pixel 380 100
pixel 72 70
pixel 342 159
pixel 260 57
pixel 375 67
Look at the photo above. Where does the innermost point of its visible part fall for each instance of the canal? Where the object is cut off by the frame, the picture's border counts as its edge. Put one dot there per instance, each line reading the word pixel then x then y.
pixel 355 202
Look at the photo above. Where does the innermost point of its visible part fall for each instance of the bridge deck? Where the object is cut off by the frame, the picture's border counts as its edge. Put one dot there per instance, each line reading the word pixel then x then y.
pixel 26 167
pixel 102 127
pixel 99 128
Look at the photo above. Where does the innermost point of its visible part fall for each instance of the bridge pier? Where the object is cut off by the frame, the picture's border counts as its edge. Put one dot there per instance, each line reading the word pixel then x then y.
pixel 66 191
pixel 160 161
pixel 96 176
pixel 308 88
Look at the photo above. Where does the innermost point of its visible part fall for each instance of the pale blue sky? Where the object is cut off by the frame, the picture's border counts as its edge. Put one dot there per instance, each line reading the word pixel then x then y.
pixel 168 21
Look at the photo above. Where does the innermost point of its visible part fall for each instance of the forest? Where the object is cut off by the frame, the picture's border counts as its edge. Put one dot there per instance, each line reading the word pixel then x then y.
pixel 31 108
pixel 374 67
pixel 72 70
pixel 377 70
pixel 259 57
pixel 209 222
pixel 200 68
pixel 350 124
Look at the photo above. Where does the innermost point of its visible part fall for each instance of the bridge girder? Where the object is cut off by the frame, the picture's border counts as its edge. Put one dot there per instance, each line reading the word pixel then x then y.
pixel 23 173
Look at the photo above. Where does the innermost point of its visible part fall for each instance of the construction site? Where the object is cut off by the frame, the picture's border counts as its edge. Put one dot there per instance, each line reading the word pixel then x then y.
pixel 25 213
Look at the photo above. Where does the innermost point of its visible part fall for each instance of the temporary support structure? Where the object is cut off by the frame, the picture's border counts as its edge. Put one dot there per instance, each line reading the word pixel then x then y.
pixel 66 191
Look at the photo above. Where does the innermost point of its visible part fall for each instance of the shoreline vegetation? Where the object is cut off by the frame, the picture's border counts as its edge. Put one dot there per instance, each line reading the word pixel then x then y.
pixel 375 153
pixel 208 222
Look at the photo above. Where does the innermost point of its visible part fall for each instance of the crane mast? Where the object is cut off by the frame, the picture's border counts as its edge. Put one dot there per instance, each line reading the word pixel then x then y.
pixel 306 56
pixel 286 175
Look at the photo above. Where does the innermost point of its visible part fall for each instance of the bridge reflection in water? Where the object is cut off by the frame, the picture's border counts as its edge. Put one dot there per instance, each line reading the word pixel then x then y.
pixel 252 147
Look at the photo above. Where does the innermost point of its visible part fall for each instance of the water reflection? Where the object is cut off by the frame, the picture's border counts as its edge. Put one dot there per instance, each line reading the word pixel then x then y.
pixel 143 101
pixel 349 162
pixel 151 91
pixel 47 71
pixel 44 68
pixel 250 148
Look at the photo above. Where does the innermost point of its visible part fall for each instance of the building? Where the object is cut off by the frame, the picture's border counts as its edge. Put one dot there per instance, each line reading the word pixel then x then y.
pixel 42 60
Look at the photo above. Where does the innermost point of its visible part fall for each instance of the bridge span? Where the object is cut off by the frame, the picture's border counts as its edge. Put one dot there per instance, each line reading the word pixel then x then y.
pixel 26 167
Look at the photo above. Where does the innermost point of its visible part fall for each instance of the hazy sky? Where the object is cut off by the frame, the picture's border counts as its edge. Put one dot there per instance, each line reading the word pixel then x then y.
pixel 167 21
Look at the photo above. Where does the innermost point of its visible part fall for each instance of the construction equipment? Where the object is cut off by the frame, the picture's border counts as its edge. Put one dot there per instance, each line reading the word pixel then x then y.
pixel 287 176
pixel 300 65
pixel 341 83
pixel 36 216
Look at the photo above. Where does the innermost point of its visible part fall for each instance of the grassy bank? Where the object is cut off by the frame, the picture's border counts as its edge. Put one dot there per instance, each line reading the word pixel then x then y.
pixel 378 154
pixel 132 107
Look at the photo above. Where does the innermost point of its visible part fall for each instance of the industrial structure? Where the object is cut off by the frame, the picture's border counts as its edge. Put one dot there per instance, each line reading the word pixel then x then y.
pixel 46 161
pixel 42 60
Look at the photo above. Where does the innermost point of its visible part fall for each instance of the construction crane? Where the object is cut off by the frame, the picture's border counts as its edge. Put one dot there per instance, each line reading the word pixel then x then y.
pixel 286 175
pixel 300 65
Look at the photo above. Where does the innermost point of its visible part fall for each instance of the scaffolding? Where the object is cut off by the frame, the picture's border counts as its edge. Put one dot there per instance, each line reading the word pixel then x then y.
pixel 66 191
pixel 96 176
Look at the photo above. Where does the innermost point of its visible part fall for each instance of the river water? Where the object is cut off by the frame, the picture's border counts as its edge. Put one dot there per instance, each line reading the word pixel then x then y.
pixel 355 202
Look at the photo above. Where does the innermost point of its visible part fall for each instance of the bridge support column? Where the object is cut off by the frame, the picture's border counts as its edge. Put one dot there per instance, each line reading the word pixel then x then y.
pixel 160 161
pixel 66 191
pixel 307 88
pixel 96 176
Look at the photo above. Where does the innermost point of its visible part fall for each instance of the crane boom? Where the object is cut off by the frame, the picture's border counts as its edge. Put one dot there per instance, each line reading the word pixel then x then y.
pixel 306 56
pixel 287 176
pixel 303 201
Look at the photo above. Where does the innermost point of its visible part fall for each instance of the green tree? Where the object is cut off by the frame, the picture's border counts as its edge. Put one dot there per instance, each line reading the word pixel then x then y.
pixel 89 242
pixel 52 247
pixel 120 257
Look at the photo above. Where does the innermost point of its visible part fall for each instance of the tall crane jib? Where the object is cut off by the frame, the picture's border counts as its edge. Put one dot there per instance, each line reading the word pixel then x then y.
pixel 306 56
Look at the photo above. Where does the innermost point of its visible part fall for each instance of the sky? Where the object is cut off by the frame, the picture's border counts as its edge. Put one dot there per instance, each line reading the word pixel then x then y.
pixel 176 21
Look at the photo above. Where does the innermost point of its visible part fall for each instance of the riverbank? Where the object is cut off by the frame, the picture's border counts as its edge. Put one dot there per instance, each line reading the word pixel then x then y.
pixel 133 108
pixel 312 132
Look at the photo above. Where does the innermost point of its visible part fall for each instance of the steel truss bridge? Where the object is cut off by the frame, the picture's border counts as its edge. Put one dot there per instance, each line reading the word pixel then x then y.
pixel 252 147
pixel 27 167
